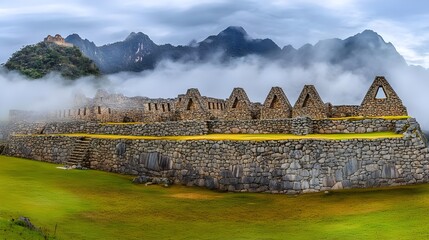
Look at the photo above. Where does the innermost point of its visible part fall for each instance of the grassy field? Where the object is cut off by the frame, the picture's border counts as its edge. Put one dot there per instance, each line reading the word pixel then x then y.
pixel 100 205
pixel 245 137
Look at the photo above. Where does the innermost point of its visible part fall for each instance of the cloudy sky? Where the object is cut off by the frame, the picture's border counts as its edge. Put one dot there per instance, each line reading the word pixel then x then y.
pixel 295 22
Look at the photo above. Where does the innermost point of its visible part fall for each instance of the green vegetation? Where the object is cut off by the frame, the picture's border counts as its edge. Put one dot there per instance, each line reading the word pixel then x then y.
pixel 100 205
pixel 244 137
pixel 35 61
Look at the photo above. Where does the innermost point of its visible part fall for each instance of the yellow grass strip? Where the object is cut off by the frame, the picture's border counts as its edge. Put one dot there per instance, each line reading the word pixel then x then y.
pixel 355 118
pixel 244 137
pixel 122 123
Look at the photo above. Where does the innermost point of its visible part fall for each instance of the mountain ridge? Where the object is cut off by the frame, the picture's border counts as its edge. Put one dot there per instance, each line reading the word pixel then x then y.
pixel 137 52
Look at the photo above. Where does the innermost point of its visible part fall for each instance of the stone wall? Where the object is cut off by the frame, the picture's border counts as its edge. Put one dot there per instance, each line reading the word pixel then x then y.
pixel 388 105
pixel 344 111
pixel 139 129
pixel 276 105
pixel 297 126
pixel 257 166
pixel 355 126
pixel 4 131
pixel 309 104
pixel 238 106
pixel 250 126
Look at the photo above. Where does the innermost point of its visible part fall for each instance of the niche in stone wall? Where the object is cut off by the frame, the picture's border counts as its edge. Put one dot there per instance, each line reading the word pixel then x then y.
pixel 191 105
pixel 235 103
pixel 99 109
pixel 306 101
pixel 274 102
pixel 381 94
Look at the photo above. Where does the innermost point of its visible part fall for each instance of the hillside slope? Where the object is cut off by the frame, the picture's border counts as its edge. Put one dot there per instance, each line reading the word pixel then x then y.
pixel 35 61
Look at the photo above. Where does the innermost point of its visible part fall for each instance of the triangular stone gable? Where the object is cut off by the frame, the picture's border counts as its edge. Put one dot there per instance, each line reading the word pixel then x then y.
pixel 238 105
pixel 309 104
pixel 388 105
pixel 192 106
pixel 276 105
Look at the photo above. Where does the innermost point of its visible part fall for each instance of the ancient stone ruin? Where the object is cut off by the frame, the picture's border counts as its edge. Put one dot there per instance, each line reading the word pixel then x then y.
pixel 105 107
pixel 57 39
pixel 398 156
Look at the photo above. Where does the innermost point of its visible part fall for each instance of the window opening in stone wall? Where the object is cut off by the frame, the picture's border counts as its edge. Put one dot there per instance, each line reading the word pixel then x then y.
pixel 190 104
pixel 163 107
pixel 168 107
pixel 84 111
pixel 381 94
pixel 274 102
pixel 234 105
pixel 99 109
pixel 110 111
pixel 78 111
pixel 306 101
pixel 210 105
pixel 150 109
pixel 156 107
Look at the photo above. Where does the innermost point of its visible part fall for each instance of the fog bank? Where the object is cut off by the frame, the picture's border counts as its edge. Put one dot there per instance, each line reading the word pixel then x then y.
pixel 215 79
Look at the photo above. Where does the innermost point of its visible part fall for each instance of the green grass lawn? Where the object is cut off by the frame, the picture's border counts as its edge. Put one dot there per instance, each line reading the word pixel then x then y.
pixel 100 205
pixel 244 137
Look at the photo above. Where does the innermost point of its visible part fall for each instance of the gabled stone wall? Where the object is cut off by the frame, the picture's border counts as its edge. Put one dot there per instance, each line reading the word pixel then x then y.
pixel 105 107
pixel 192 106
pixel 389 105
pixel 276 105
pixel 309 104
pixel 238 106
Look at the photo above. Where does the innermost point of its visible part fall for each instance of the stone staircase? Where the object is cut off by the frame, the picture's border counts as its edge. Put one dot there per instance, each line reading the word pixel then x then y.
pixel 78 157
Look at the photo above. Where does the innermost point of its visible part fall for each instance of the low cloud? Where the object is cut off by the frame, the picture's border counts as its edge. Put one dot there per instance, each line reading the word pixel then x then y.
pixel 214 79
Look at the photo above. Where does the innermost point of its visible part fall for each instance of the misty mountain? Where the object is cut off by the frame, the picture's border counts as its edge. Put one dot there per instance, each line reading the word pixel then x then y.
pixel 138 52
pixel 364 52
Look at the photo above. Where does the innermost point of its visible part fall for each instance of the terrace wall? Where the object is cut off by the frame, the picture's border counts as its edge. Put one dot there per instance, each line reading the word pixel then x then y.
pixel 297 126
pixel 257 166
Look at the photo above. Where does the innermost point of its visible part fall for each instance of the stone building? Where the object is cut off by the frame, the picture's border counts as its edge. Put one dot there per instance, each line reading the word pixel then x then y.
pixel 192 106
pixel 276 105
pixel 309 104
pixel 381 100
pixel 57 39
pixel 238 106
pixel 106 107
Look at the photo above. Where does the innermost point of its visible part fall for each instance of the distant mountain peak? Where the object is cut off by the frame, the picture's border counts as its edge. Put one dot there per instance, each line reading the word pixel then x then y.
pixel 369 35
pixel 234 31
pixel 138 35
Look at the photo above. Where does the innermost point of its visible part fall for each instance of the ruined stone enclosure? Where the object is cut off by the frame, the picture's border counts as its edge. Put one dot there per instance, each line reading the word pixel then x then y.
pixel 156 143
pixel 380 100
